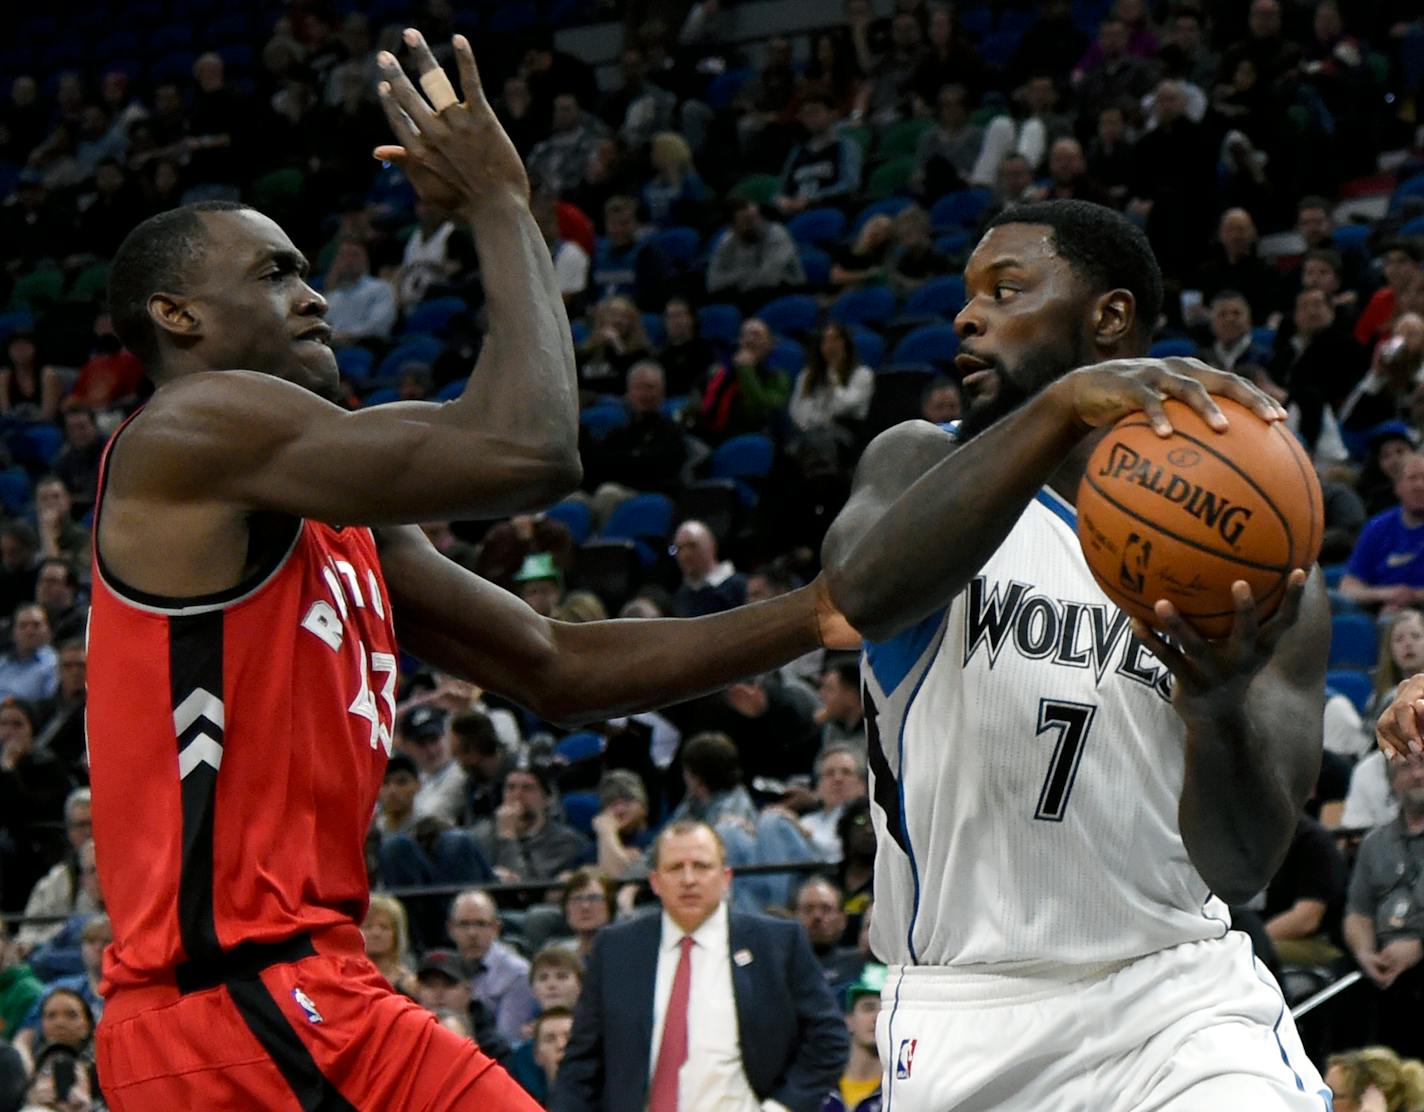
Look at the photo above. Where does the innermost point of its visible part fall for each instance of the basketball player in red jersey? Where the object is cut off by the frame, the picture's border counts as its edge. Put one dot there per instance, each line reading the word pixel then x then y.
pixel 243 639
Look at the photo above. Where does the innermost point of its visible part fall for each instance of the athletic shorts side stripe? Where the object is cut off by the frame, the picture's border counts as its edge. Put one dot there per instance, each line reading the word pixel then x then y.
pixel 1324 1094
pixel 265 1019
pixel 195 666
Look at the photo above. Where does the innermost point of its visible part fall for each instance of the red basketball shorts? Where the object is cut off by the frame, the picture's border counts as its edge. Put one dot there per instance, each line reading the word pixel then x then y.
pixel 321 1034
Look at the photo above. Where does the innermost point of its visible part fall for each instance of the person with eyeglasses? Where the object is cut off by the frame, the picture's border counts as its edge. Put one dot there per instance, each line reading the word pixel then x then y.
pixel 59 892
pixel 498 975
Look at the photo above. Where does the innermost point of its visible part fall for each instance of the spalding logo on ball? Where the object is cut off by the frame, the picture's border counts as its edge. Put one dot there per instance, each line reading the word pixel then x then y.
pixel 1183 517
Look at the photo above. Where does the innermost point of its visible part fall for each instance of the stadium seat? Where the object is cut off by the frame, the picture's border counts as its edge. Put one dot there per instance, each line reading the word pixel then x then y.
pixel 934 343
pixel 792 315
pixel 90 284
pixel 277 190
pixel 643 516
pixel 954 244
pixel 743 457
pixel 434 316
pixel 719 323
pixel 1173 349
pixel 579 811
pixel 414 348
pixel 1351 235
pixel 36 290
pixel 960 209
pixel 15 491
pixel 866 305
pixel 890 178
pixel 903 138
pixel 1264 336
pixel 869 347
pixel 356 363
pixel 890 206
pixel 679 244
pixel 600 420
pixel 581 746
pixel 714 502
pixel 449 392
pixel 513 19
pixel 1333 574
pixel 384 396
pixel 575 515
pixel 788 356
pixel 940 297
pixel 1414 227
pixel 610 569
pixel 817 265
pixel 1411 187
pixel 1353 641
pixel 1355 685
pixel 760 188
pixel 578 332
pixel 653 326
pixel 21 320
pixel 816 226
pixel 37 446
pixel 723 88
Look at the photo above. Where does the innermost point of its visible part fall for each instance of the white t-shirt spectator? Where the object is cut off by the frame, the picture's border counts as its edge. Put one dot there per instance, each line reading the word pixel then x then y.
pixel 832 402
pixel 364 310
pixel 571 268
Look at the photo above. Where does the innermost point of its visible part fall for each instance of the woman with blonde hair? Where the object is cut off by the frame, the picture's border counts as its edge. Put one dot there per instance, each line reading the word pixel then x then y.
pixel 1375 1079
pixel 676 193
pixel 388 941
pixel 616 341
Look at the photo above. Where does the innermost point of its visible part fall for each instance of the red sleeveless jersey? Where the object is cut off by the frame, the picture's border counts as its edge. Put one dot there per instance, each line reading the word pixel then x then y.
pixel 236 746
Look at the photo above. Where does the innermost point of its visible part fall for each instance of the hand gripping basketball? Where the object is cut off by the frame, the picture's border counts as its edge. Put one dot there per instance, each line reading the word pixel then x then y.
pixel 455 153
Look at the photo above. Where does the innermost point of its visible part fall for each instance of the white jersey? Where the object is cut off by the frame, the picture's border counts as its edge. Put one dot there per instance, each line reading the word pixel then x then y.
pixel 1026 767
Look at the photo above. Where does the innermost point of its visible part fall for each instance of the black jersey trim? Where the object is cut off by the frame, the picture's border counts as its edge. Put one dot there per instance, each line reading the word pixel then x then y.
pixel 173 604
pixel 313 1090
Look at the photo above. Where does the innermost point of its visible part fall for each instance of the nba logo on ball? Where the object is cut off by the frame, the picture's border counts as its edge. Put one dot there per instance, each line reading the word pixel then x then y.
pixel 905 1060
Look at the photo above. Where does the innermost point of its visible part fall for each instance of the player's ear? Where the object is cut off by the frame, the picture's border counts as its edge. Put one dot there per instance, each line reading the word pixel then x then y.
pixel 173 314
pixel 1114 318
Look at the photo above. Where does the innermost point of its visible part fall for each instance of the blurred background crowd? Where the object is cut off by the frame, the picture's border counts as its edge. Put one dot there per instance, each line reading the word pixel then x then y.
pixel 758 213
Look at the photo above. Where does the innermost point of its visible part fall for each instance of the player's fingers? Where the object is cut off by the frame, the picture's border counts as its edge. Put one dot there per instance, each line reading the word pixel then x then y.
pixel 1238 389
pixel 396 116
pixel 404 93
pixel 1398 729
pixel 1288 611
pixel 432 77
pixel 470 83
pixel 1171 657
pixel 1245 626
pixel 1150 400
pixel 1194 394
pixel 389 152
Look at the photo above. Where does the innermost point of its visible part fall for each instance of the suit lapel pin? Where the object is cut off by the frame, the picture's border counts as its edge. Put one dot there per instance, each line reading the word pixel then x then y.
pixel 742 957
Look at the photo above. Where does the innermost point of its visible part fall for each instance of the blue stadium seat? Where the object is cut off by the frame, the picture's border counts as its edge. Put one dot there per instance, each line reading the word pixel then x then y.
pixel 723 88
pixel 719 323
pixel 940 297
pixel 434 316
pixel 816 226
pixel 792 315
pixel 788 356
pixel 1414 227
pixel 953 244
pixel 1351 235
pixel 890 206
pixel 577 516
pixel 743 457
pixel 1355 685
pixel 355 363
pixel 866 305
pixel 1333 574
pixel 384 396
pixel 1412 187
pixel 600 420
pixel 15 492
pixel 646 515
pixel 37 446
pixel 1353 641
pixel 417 347
pixel 960 209
pixel 934 343
pixel 581 746
pixel 817 265
pixel 1264 336
pixel 449 392
pixel 578 330
pixel 679 244
pixel 1173 349
pixel 513 19
pixel 580 809
pixel 869 347
pixel 18 321
pixel 653 326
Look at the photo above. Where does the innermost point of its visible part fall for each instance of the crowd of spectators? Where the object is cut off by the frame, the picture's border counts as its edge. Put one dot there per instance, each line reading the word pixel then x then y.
pixel 758 238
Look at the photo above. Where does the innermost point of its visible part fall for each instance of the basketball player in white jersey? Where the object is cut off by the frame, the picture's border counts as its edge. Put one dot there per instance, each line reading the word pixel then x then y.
pixel 1065 802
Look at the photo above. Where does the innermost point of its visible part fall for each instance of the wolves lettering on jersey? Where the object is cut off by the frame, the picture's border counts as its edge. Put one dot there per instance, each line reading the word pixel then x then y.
pixel 1026 769
pixel 1067 634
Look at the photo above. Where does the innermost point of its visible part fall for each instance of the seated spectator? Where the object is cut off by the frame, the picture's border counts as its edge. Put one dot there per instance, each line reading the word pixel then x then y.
pixel 863 262
pixel 1110 155
pixel 859 1087
pixel 1315 224
pixel 29 389
pixel 434 254
pixel 773 722
pixel 621 825
pixel 112 376
pixel 588 903
pixel 1388 445
pixel 1068 178
pixel 1386 569
pixel 856 874
pixel 1305 899
pixel 19 570
pixel 686 358
pixel 33 787
pixel 840 779
pixel 638 108
pixel 676 194
pixel 1369 802
pixel 560 162
pixel 825 168
pixel 540 583
pixel 425 736
pixel 497 976
pixel 625 266
pixel 555 978
pixel 941 401
pixel 1235 266
pixel 1386 392
pixel 1317 365
pixel 1399 262
pixel 950 55
pixel 59 893
pixel 395 812
pixel 945 158
pixel 1108 72
pixel 1384 921
pixel 526 844
pixel 709 585
pixel 484 760
pixel 78 462
pixel 360 306
pixel 61 954
pixel 886 96
pixel 30 670
pixel 20 989
pixel 616 341
pixel 443 986
pixel 1233 348
pixel 65 1020
pixel 832 69
pixel 834 387
pixel 648 452
pixel 1323 269
pixel 915 259
pixel 93 939
pixel 539 1065
pixel 819 910
pixel 387 937
pixel 611 172
pixel 745 394
pixel 755 261
pixel 1375 1079
pixel 571 261
pixel 842 715
pixel 60 536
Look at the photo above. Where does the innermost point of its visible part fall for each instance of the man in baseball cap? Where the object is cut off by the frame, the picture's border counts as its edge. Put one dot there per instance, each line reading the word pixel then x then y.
pixel 859 1088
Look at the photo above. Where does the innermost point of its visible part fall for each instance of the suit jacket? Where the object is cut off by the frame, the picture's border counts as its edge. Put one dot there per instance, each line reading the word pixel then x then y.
pixel 793 1037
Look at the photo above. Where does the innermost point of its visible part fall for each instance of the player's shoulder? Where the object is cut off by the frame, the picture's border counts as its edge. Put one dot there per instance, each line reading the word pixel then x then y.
pixel 905 451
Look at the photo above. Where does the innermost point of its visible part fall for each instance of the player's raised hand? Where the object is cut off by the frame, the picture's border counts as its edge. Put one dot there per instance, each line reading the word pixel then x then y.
pixel 1397 730
pixel 1104 393
pixel 455 152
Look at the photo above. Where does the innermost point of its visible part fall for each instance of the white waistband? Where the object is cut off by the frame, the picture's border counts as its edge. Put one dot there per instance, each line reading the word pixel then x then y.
pixel 951 984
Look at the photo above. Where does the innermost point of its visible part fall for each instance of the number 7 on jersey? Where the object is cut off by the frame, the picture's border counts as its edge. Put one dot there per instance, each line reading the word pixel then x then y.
pixel 1071 722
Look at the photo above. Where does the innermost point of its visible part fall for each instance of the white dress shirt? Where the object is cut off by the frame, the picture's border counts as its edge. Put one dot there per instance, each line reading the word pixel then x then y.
pixel 712 1078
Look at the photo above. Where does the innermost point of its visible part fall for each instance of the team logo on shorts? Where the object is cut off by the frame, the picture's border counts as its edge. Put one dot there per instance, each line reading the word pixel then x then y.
pixel 305 1003
pixel 905 1060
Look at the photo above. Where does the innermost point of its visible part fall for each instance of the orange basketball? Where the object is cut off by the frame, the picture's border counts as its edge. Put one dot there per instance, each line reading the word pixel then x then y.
pixel 1183 517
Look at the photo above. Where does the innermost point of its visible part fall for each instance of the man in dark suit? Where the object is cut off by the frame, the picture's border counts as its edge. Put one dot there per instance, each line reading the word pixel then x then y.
pixel 765 1035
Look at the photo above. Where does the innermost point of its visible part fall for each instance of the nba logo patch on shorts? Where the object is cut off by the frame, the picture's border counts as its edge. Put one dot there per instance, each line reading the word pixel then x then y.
pixel 305 1003
pixel 905 1059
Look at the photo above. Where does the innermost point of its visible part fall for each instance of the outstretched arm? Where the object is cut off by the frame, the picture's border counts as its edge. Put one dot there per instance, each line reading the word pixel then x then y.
pixel 587 672
pixel 507 443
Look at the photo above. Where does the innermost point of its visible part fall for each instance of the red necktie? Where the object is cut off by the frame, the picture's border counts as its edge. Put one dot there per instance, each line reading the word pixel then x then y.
pixel 673 1051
